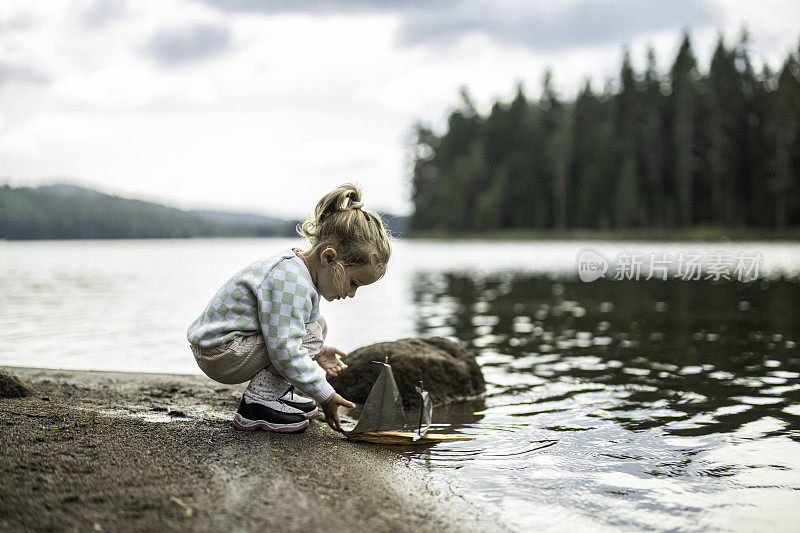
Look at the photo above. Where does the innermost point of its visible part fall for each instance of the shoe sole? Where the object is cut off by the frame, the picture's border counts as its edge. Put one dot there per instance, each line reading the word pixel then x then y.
pixel 239 422
pixel 313 414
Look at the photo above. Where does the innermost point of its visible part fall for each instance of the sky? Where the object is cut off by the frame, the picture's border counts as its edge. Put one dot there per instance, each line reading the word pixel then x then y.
pixel 263 107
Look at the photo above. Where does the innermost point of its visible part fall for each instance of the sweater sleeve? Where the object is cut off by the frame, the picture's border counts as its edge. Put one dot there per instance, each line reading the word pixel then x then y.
pixel 285 308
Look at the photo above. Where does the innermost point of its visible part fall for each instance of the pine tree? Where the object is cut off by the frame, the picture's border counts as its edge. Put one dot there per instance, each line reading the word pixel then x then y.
pixel 555 144
pixel 784 132
pixel 424 178
pixel 724 114
pixel 628 207
pixel 590 164
pixel 652 149
pixel 525 182
pixel 493 206
pixel 682 109
pixel 747 184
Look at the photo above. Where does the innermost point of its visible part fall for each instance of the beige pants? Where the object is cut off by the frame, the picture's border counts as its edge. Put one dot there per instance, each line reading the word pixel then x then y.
pixel 236 361
pixel 240 359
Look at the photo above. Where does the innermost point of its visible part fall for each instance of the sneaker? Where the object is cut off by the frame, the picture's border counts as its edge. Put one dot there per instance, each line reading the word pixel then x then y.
pixel 296 400
pixel 271 416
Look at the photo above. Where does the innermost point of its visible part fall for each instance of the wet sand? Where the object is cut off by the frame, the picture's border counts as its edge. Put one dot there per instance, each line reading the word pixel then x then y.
pixel 114 451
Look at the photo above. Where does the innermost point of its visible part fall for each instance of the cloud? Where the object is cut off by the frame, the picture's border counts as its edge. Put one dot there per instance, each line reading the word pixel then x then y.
pixel 174 46
pixel 532 24
pixel 583 23
pixel 329 7
pixel 100 12
pixel 10 73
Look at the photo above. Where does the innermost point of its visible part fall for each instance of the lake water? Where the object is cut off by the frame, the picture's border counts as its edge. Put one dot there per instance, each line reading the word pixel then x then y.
pixel 631 404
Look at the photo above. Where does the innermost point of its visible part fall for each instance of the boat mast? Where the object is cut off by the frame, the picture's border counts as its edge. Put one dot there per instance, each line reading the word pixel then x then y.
pixel 421 408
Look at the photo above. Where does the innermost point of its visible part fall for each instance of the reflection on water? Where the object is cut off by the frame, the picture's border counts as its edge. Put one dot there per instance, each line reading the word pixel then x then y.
pixel 624 404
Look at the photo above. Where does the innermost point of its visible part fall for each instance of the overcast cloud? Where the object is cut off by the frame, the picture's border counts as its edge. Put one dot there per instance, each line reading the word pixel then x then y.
pixel 535 24
pixel 20 73
pixel 265 106
pixel 172 46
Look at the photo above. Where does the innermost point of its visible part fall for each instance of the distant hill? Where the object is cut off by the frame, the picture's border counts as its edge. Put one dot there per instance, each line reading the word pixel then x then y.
pixel 64 211
pixel 224 217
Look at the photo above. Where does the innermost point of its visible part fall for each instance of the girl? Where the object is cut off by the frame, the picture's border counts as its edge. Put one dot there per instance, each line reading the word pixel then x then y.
pixel 264 324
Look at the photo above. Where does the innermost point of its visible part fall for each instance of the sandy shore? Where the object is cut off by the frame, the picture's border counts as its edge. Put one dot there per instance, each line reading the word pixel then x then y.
pixel 113 451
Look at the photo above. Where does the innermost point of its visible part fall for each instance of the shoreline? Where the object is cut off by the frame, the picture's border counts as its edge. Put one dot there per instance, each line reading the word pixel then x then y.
pixel 713 234
pixel 111 451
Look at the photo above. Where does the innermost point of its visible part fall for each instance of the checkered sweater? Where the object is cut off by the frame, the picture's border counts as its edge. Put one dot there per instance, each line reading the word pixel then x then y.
pixel 275 297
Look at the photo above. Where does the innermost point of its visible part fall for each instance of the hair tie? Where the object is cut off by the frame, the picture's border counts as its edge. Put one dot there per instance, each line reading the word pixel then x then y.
pixel 356 205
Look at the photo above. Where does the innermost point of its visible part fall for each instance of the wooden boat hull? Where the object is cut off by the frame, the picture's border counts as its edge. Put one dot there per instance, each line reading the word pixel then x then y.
pixel 403 437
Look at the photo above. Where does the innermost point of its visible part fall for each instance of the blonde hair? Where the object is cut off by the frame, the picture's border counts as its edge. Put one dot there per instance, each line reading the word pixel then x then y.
pixel 358 235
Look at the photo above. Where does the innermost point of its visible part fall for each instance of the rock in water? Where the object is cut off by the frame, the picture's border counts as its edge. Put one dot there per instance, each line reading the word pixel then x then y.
pixel 448 370
pixel 12 387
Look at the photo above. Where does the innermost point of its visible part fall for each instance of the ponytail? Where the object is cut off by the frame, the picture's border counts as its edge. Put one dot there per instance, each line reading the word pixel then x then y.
pixel 342 198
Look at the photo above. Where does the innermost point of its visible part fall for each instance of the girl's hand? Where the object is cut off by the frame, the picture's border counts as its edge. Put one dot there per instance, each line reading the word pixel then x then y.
pixel 331 410
pixel 329 362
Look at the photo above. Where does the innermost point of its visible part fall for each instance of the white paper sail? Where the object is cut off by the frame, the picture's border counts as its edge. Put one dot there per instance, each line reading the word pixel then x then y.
pixel 383 410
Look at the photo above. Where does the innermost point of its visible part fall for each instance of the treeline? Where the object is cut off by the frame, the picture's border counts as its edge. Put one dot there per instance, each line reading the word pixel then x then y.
pixel 654 150
pixel 70 212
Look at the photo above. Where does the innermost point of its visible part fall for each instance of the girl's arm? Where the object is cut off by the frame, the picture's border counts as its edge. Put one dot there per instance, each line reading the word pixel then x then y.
pixel 314 343
pixel 284 310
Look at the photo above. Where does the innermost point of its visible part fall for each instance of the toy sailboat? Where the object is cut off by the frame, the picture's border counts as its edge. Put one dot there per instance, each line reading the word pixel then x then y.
pixel 383 419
